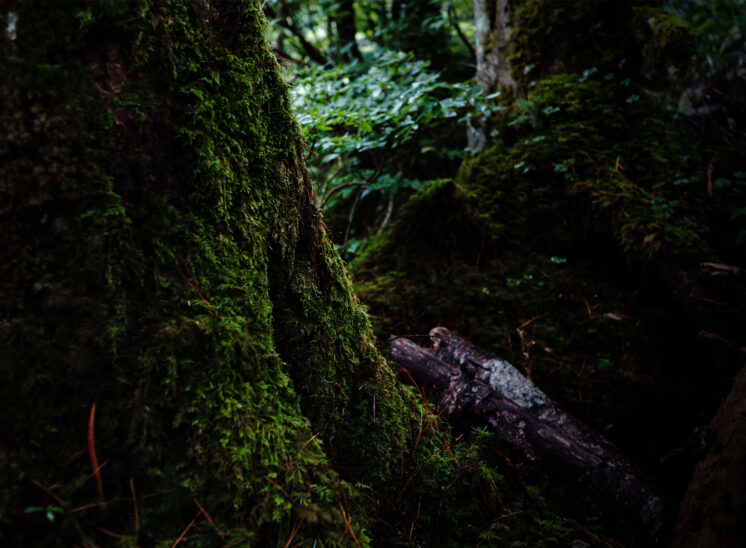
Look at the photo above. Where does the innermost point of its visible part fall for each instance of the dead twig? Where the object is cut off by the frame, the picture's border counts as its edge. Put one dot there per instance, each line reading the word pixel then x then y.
pixel 92 453
pixel 185 531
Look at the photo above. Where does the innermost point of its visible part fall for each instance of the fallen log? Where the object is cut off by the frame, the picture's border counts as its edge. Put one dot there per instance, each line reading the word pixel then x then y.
pixel 609 486
pixel 505 379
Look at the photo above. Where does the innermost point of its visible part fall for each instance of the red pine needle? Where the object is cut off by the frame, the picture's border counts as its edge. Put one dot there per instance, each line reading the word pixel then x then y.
pixel 209 519
pixel 349 526
pixel 92 453
pixel 185 531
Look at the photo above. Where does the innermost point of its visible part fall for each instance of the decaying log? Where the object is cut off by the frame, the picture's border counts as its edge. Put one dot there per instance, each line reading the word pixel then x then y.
pixel 714 509
pixel 505 379
pixel 568 453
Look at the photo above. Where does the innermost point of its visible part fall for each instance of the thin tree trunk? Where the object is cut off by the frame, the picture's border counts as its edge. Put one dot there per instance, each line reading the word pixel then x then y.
pixel 347 29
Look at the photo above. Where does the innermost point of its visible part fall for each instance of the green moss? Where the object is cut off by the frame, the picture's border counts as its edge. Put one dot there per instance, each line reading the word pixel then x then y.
pixel 150 296
pixel 164 262
pixel 635 39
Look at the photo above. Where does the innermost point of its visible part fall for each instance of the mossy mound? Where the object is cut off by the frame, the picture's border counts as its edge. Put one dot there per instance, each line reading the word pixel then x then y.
pixel 632 38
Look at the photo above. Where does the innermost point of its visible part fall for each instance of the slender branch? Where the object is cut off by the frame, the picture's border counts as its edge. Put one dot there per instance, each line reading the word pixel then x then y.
pixel 387 217
pixel 461 35
pixel 340 187
pixel 312 51
pixel 285 56
pixel 349 220
pixel 328 181
pixel 92 453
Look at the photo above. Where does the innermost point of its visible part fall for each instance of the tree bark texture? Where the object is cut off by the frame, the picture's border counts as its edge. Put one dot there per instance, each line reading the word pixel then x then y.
pixel 493 20
pixel 531 425
pixel 714 509
pixel 164 265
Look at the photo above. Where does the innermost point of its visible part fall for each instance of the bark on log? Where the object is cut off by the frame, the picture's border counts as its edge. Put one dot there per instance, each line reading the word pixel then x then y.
pixel 714 509
pixel 573 458
pixel 505 379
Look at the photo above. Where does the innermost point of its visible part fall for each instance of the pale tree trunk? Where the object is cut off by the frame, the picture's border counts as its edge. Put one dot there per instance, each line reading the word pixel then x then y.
pixel 493 20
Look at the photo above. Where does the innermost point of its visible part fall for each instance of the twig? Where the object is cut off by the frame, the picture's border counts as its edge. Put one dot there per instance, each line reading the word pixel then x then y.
pixel 209 519
pixel 524 324
pixel 309 149
pixel 279 488
pixel 328 181
pixel 387 217
pixel 285 56
pixel 460 33
pixel 97 470
pixel 134 505
pixel 111 534
pixel 349 525
pixel 92 453
pixel 334 190
pixel 308 441
pixel 294 532
pixel 75 456
pixel 185 531
pixel 350 219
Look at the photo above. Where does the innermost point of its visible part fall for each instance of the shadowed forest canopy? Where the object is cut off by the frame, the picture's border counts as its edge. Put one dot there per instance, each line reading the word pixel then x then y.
pixel 216 212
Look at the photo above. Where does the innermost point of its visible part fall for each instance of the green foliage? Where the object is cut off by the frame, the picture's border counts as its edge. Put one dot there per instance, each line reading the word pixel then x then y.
pixel 363 119
pixel 363 114
pixel 545 248
pixel 365 124
pixel 427 28
pixel 720 26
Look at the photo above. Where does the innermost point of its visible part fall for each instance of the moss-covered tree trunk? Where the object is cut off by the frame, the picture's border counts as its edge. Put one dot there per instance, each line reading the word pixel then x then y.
pixel 180 349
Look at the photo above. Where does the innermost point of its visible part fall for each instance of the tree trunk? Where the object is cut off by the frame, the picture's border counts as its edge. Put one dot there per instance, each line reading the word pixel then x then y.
pixel 493 20
pixel 347 29
pixel 177 333
pixel 714 509
pixel 534 430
